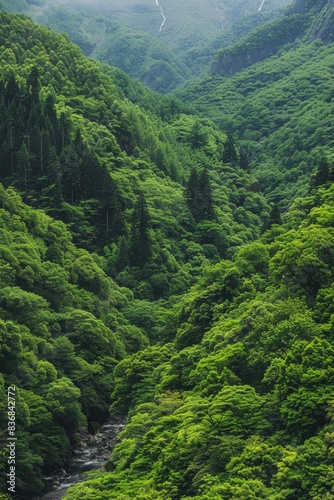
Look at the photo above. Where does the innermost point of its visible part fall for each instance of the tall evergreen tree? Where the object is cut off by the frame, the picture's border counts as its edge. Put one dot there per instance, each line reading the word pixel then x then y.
pixel 322 173
pixel 122 259
pixel 24 170
pixel 52 196
pixel 274 217
pixel 140 250
pixel 193 193
pixel 230 154
pixel 110 216
pixel 207 211
pixel 49 111
pixel 197 136
pixel 70 174
pixel 199 195
pixel 243 160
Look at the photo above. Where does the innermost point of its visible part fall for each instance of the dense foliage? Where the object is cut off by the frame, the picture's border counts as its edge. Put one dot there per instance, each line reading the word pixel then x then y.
pixel 144 274
pixel 280 109
pixel 62 332
pixel 240 404
pixel 116 174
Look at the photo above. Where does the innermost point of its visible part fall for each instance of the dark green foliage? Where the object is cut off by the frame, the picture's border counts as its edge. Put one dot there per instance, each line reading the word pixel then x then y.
pixel 199 195
pixel 323 174
pixel 230 154
pixel 274 217
pixel 140 248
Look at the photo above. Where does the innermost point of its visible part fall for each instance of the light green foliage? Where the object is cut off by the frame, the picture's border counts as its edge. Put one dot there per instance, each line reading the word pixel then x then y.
pixel 307 259
pixel 58 356
pixel 275 108
pixel 245 409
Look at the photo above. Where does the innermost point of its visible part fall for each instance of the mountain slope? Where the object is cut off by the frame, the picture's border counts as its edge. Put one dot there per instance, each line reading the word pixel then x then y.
pixel 149 194
pixel 187 24
pixel 280 109
pixel 241 407
pixel 161 60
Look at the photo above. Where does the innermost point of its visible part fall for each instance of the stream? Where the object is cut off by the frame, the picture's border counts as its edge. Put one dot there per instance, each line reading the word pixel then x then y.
pixel 91 453
pixel 261 5
pixel 163 15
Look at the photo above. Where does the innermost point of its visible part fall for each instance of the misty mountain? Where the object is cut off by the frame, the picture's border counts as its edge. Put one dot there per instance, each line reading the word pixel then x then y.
pixel 127 34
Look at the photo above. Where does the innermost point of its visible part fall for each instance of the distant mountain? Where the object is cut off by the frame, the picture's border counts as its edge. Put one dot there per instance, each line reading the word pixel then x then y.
pixel 132 37
pixel 273 90
pixel 187 23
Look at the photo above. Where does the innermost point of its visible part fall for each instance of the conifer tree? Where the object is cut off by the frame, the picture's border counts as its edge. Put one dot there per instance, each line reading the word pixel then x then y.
pixel 111 220
pixel 205 196
pixel 52 196
pixel 192 193
pixel 33 84
pixel 70 174
pixel 230 154
pixel 322 173
pixel 50 114
pixel 197 136
pixel 63 133
pixel 199 195
pixel 140 250
pixel 274 216
pixel 243 160
pixel 24 170
pixel 122 259
pixel 12 90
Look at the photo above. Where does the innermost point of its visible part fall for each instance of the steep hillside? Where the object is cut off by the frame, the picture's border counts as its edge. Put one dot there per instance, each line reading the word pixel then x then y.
pixel 298 20
pixel 240 404
pixel 153 193
pixel 62 332
pixel 128 35
pixel 187 23
pixel 139 54
pixel 280 109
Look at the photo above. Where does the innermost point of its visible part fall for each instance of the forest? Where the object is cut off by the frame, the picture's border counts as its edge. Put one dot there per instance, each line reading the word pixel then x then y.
pixel 168 258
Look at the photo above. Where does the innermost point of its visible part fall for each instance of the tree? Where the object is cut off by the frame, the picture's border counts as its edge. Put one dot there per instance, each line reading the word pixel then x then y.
pixel 198 136
pixel 24 170
pixel 140 249
pixel 62 400
pixel 206 195
pixel 274 217
pixel 243 160
pixel 71 181
pixel 110 215
pixel 306 261
pixel 322 173
pixel 52 196
pixel 230 154
pixel 199 196
pixel 122 257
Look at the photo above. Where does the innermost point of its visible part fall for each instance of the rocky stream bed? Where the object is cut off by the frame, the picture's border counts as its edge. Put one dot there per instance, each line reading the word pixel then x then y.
pixel 91 453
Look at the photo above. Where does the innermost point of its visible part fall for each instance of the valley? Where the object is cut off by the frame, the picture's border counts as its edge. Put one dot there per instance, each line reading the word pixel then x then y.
pixel 167 249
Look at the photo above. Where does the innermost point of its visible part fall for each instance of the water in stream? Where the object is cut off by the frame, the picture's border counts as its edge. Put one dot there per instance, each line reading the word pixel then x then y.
pixel 91 453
